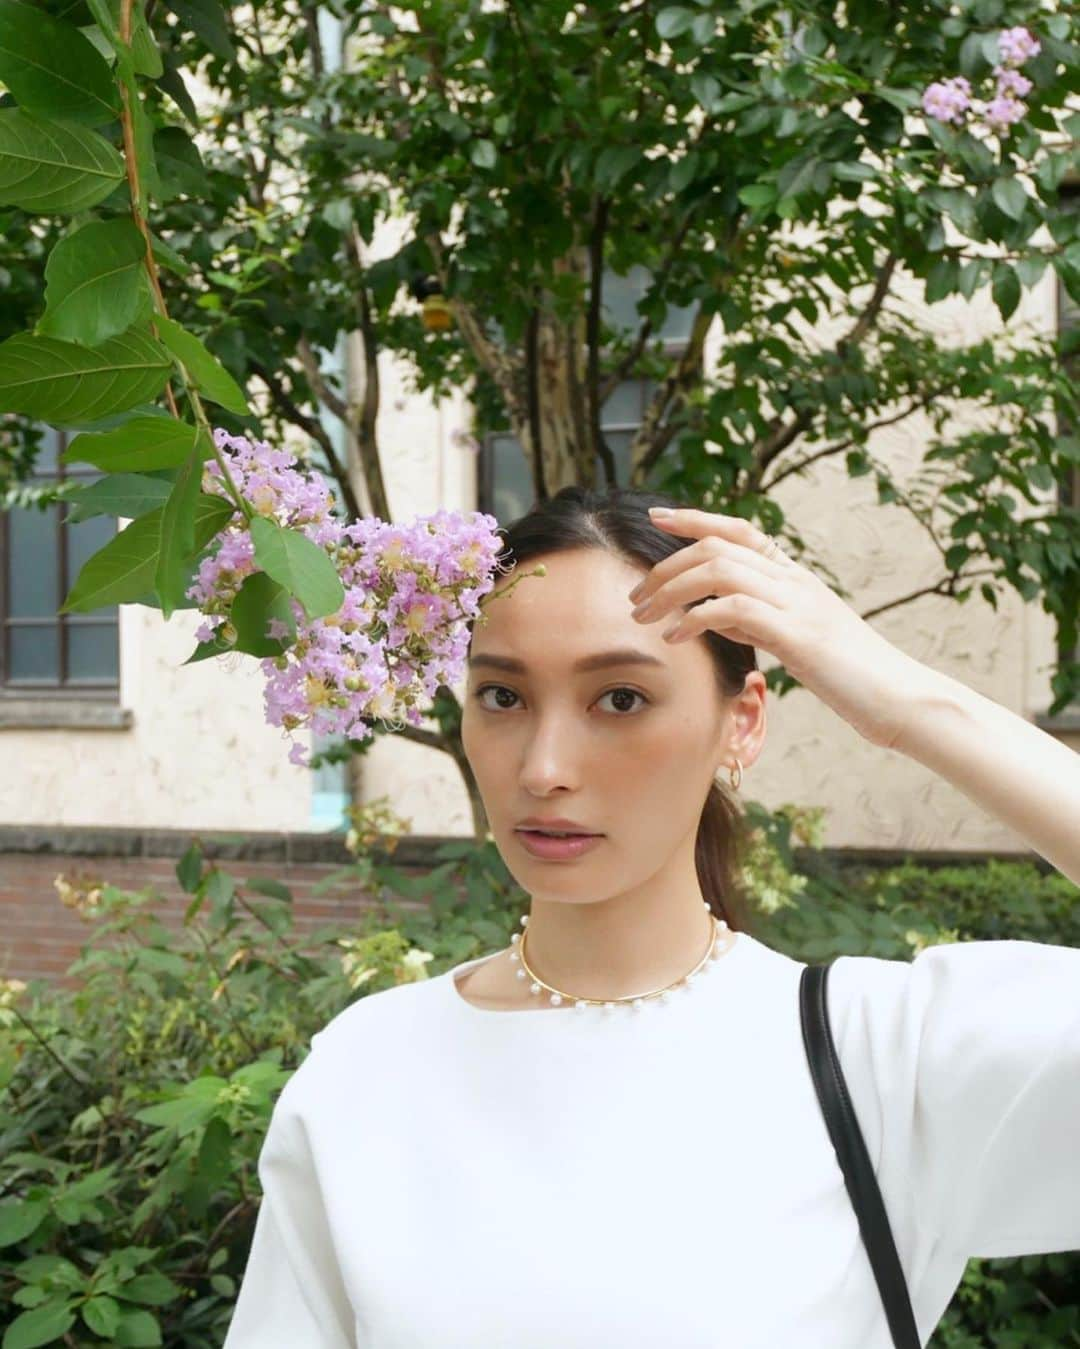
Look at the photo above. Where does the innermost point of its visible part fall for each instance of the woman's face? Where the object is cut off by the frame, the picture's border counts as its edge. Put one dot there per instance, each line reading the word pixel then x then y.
pixel 626 750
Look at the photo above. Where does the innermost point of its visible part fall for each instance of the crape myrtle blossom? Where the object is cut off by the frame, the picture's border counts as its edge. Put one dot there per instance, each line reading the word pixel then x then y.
pixel 400 631
pixel 1017 45
pixel 950 100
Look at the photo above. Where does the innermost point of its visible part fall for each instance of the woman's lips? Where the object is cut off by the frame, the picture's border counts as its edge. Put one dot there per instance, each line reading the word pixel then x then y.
pixel 544 845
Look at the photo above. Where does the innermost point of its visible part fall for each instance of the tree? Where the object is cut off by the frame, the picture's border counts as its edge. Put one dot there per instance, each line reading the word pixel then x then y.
pixel 769 166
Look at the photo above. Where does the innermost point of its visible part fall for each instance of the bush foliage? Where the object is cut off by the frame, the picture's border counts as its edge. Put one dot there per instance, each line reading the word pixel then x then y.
pixel 133 1105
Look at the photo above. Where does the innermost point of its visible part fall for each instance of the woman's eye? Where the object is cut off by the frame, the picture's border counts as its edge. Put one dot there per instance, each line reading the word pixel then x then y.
pixel 501 688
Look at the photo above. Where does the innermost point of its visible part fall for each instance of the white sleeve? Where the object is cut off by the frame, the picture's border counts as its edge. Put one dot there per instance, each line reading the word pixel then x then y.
pixel 292 1295
pixel 993 1031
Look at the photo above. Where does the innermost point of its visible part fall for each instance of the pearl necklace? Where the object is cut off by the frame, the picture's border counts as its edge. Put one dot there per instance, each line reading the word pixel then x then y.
pixel 636 1000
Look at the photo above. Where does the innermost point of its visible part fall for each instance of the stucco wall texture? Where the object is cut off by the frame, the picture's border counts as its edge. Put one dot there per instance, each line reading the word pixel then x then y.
pixel 198 754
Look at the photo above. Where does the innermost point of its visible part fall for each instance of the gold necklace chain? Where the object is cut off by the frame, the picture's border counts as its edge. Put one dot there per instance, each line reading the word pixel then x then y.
pixel 557 995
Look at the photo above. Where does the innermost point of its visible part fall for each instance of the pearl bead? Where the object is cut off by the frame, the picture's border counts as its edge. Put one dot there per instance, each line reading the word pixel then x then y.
pixel 521 974
pixel 524 919
pixel 514 956
pixel 639 1002
pixel 580 1006
pixel 516 937
pixel 555 999
pixel 535 988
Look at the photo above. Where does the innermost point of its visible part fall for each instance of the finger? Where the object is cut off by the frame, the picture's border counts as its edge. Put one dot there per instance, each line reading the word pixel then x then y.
pixel 694 523
pixel 713 545
pixel 709 567
pixel 740 618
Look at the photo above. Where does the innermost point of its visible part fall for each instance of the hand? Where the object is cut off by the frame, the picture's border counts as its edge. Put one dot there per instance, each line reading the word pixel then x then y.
pixel 777 604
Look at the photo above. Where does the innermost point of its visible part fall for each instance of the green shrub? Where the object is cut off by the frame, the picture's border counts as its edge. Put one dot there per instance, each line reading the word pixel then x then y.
pixel 133 1107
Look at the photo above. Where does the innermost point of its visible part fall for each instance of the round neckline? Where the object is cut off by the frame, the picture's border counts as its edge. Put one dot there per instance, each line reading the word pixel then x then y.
pixel 570 1009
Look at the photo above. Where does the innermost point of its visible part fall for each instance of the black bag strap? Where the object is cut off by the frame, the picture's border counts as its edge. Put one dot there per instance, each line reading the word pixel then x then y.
pixel 854 1160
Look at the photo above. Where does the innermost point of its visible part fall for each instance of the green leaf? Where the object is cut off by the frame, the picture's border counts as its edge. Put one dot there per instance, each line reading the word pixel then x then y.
pixel 178 533
pixel 195 1104
pixel 1005 289
pixel 674 21
pixel 302 567
pixel 180 164
pixel 854 172
pixel 205 371
pixel 482 154
pixel 19 1218
pixel 154 1289
pixel 120 571
pixel 101 1315
pixel 971 275
pixel 221 890
pixel 189 869
pixel 684 171
pixel 613 162
pixel 140 444
pixel 168 257
pixel 40 1325
pixel 758 194
pixel 122 494
pixel 54 168
pixel 206 650
pixel 1010 197
pixel 95 282
pixel 146 59
pixel 266 885
pixel 124 570
pixel 942 280
pixel 257 601
pixel 207 19
pixel 52 69
pixel 62 382
pixel 797 177
pixel 706 89
pixel 137 1330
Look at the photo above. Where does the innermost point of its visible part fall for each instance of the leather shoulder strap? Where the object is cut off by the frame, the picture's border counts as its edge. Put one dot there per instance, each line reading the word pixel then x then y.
pixel 853 1157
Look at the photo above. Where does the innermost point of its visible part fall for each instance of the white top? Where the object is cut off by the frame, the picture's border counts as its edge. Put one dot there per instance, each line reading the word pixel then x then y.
pixel 441 1176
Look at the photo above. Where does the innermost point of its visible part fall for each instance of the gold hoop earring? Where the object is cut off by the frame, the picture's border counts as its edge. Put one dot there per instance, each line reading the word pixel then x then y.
pixel 735 775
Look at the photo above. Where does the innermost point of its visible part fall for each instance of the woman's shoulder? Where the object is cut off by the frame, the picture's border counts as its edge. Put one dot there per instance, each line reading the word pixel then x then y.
pixel 375 1032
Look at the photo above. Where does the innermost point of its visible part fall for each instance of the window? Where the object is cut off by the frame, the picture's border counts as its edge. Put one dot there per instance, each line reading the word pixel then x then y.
pixel 505 488
pixel 43 653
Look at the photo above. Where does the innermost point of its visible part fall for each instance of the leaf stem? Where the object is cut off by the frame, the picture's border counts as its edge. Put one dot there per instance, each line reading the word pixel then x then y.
pixel 131 165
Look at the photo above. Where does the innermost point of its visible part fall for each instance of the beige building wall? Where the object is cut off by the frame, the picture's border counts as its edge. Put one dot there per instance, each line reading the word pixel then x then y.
pixel 197 753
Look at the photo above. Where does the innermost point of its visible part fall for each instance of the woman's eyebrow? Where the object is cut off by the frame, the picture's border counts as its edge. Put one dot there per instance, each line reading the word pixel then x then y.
pixel 600 661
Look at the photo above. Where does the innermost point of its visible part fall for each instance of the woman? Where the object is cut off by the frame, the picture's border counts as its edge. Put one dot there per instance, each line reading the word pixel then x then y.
pixel 567 1142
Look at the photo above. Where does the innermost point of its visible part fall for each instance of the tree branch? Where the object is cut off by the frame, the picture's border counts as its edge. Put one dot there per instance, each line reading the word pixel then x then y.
pixel 842 445
pixel 948 585
pixel 780 435
pixel 284 401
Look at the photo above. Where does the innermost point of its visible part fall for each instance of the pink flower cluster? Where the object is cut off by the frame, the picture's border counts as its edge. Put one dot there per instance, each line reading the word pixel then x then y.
pixel 408 591
pixel 950 100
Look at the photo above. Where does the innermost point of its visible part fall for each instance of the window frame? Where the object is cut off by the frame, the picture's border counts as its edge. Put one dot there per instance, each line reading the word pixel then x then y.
pixel 59 690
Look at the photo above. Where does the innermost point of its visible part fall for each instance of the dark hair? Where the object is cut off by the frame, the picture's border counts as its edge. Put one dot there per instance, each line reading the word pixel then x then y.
pixel 617 521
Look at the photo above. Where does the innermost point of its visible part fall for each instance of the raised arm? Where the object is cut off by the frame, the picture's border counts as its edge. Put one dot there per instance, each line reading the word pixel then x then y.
pixel 1012 769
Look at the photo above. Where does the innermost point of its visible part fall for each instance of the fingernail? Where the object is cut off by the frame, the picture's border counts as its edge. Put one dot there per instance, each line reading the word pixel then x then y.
pixel 636 592
pixel 661 510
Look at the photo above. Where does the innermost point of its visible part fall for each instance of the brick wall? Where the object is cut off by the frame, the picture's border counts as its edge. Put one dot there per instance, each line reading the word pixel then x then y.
pixel 40 936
